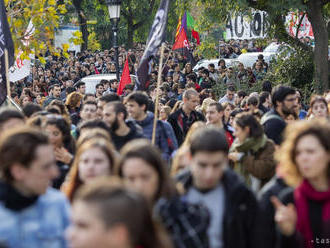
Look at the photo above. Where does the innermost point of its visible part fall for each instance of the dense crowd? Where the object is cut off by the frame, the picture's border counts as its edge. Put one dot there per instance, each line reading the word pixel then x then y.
pixel 240 170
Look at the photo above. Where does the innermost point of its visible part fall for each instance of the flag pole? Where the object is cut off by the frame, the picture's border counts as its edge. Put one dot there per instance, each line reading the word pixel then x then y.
pixel 7 76
pixel 160 69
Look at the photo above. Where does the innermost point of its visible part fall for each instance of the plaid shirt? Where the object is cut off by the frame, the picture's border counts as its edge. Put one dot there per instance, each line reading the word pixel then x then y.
pixel 186 223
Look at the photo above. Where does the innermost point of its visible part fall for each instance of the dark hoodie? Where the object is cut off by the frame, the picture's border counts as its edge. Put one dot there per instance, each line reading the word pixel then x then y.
pixel 241 208
pixel 135 132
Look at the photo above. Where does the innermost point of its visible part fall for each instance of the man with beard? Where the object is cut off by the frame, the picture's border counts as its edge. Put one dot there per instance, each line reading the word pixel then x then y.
pixel 284 103
pixel 114 115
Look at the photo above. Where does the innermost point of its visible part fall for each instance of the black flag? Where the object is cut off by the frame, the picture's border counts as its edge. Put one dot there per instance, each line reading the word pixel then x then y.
pixel 155 39
pixel 6 42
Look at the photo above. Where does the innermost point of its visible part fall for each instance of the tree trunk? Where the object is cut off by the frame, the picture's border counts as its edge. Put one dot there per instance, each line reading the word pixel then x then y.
pixel 82 23
pixel 315 16
pixel 130 34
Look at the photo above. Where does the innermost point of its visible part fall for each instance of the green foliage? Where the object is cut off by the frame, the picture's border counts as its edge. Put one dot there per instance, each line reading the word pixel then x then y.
pixel 208 48
pixel 93 43
pixel 294 69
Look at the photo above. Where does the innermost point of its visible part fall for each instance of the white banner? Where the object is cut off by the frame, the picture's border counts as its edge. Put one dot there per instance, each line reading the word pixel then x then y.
pixel 20 69
pixel 241 27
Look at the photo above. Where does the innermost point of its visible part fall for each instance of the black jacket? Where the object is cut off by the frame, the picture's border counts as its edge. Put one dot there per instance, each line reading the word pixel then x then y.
pixel 181 123
pixel 274 126
pixel 240 217
pixel 267 226
pixel 136 132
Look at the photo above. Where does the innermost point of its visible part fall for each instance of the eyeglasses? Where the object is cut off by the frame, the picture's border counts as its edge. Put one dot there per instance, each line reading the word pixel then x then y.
pixel 290 99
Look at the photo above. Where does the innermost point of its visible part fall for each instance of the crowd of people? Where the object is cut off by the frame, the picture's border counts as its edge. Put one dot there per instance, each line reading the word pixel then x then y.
pixel 102 170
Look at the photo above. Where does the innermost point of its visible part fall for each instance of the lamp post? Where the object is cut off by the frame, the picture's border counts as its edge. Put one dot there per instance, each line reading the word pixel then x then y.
pixel 114 13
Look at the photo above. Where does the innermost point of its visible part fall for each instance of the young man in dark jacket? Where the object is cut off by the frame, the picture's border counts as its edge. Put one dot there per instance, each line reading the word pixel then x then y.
pixel 182 119
pixel 284 102
pixel 122 131
pixel 232 206
pixel 137 105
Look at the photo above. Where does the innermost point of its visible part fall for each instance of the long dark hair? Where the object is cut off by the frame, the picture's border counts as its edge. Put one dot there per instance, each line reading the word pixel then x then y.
pixel 142 149
pixel 65 129
pixel 248 120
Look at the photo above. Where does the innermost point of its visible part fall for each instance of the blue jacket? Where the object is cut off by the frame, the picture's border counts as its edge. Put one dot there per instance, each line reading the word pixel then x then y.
pixel 40 225
pixel 164 135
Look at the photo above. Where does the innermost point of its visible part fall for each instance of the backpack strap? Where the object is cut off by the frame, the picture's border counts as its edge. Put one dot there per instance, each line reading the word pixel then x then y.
pixel 268 117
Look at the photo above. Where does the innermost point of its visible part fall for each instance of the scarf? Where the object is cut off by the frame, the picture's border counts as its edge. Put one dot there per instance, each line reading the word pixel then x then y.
pixel 13 199
pixel 302 194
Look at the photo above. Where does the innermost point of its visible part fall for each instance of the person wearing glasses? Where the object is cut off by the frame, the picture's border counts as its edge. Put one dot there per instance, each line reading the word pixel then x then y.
pixel 284 103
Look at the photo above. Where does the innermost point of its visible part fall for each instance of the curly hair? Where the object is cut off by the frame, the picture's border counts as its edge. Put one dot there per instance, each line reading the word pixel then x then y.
pixel 286 155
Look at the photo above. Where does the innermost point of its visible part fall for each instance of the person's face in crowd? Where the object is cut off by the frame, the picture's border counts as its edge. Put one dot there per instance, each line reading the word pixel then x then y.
pixel 11 123
pixel 37 178
pixel 192 102
pixel 227 112
pixel 68 83
pixel 113 67
pixel 259 66
pixel 230 95
pixel 229 73
pixel 134 110
pixel 57 92
pixel 110 117
pixel 82 89
pixel 141 177
pixel 311 158
pixel 114 85
pixel 289 104
pixel 163 115
pixel 48 73
pixel 100 90
pixel 240 67
pixel 169 79
pixel 100 107
pixel 188 67
pixel 319 109
pixel 212 115
pixel 89 230
pixel 241 133
pixel 26 100
pixel 207 169
pixel 93 163
pixel 55 135
pixel 210 68
pixel 38 99
pixel 88 112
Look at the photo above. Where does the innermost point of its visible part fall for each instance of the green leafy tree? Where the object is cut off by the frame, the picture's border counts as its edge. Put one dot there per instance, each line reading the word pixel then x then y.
pixel 318 12
pixel 44 15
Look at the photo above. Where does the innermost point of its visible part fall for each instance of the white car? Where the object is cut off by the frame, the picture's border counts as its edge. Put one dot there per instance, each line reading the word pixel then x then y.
pixel 205 62
pixel 92 80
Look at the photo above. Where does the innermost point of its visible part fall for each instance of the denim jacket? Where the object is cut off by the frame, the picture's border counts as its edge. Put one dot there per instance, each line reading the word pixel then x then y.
pixel 41 225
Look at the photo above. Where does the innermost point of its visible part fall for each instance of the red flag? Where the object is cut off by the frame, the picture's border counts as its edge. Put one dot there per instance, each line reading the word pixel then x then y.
pixel 181 41
pixel 195 34
pixel 124 80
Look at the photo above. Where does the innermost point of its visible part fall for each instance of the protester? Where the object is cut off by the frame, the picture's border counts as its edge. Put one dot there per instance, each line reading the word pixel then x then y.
pixel 10 118
pixel 302 214
pixel 143 170
pixel 112 223
pixel 58 131
pixel 32 214
pixel 122 130
pixel 284 102
pixel 185 116
pixel 94 158
pixel 252 153
pixel 318 108
pixel 209 180
pixel 137 104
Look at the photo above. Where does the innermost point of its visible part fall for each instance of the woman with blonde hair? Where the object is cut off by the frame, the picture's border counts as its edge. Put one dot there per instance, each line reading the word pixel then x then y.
pixel 303 213
pixel 205 104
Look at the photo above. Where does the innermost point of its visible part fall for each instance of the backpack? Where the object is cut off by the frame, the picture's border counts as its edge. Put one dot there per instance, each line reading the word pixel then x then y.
pixel 167 134
pixel 266 117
